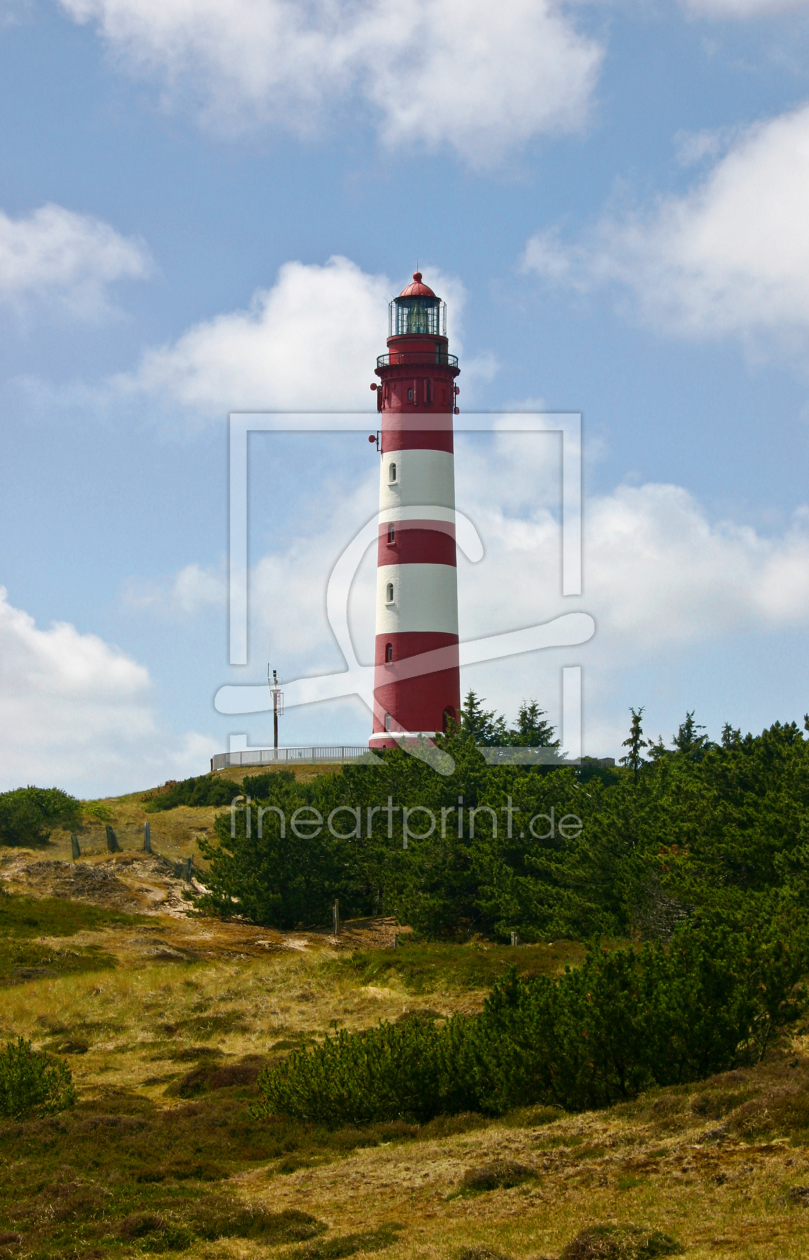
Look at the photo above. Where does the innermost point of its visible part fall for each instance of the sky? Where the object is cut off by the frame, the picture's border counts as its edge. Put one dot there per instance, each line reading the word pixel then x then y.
pixel 205 209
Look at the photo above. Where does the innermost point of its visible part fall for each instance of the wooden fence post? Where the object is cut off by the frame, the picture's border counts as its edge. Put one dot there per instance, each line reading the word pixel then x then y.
pixel 74 847
pixel 147 837
pixel 112 840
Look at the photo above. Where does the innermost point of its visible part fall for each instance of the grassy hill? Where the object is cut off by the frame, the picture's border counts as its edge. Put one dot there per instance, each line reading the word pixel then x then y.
pixel 165 1020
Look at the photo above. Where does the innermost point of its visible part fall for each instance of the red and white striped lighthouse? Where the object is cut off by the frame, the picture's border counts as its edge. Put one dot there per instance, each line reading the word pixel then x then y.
pixel 416 678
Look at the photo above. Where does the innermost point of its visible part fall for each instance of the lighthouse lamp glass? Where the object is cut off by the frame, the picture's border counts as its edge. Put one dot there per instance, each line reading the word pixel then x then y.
pixel 417 316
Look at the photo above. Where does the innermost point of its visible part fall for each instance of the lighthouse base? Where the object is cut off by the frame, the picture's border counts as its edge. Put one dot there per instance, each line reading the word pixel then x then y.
pixel 417 686
pixel 394 739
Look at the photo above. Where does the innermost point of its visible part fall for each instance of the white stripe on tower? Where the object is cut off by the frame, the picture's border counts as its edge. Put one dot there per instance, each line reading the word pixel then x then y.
pixel 415 478
pixel 416 598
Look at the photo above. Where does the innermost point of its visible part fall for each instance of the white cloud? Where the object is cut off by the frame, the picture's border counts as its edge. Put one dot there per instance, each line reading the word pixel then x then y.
pixel 72 258
pixel 78 713
pixel 464 73
pixel 665 576
pixel 663 581
pixel 667 588
pixel 309 342
pixel 730 258
pixel 658 574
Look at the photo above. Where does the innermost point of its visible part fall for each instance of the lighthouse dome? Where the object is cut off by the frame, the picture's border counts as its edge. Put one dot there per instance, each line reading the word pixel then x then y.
pixel 417 311
pixel 417 288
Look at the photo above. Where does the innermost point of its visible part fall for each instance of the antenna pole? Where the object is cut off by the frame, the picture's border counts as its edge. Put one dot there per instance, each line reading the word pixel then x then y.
pixel 275 713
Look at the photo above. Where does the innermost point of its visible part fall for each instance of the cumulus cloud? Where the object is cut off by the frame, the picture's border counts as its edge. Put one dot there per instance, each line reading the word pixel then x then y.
pixel 729 258
pixel 659 575
pixel 310 342
pixel 463 73
pixel 70 258
pixel 77 712
pixel 661 578
pixel 314 336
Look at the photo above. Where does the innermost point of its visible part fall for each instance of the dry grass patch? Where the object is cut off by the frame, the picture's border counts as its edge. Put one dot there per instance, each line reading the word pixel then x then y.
pixel 620 1242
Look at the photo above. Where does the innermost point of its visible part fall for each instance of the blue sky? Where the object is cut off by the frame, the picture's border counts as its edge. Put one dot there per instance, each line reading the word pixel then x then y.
pixel 206 208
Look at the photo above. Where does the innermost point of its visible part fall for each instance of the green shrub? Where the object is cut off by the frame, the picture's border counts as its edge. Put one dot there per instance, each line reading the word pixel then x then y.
pixel 263 786
pixel 206 789
pixel 276 878
pixel 28 815
pixel 600 1034
pixel 196 791
pixel 625 1020
pixel 699 828
pixel 32 1083
pixel 26 917
pixel 402 1071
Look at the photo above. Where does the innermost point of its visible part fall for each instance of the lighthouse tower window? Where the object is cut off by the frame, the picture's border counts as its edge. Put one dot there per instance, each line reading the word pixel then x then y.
pixel 387 721
pixel 389 653
pixel 392 473
pixel 389 593
pixel 391 533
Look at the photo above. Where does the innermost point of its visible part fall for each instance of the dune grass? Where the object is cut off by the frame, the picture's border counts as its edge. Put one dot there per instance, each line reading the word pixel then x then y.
pixel 162 1151
pixel 165 1031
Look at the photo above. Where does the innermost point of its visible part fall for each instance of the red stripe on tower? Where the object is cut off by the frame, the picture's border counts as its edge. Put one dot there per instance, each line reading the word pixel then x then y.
pixel 416 678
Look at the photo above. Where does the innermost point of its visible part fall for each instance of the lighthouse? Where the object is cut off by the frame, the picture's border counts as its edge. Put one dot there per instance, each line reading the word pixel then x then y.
pixel 417 688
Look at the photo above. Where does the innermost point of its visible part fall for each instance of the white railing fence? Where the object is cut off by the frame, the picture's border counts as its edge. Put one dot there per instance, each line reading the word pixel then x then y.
pixel 337 753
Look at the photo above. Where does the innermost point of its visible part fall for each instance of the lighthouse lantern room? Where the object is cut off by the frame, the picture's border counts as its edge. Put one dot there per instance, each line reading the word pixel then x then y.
pixel 416 677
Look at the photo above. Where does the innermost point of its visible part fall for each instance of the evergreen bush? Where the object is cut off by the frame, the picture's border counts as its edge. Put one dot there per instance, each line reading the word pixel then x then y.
pixel 29 814
pixel 206 789
pixel 601 1033
pixel 32 1083
pixel 700 827
pixel 200 790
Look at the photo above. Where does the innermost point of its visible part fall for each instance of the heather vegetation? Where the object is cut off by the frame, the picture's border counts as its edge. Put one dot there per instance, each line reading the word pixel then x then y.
pixel 698 849
pixel 639 1095
pixel 171 1146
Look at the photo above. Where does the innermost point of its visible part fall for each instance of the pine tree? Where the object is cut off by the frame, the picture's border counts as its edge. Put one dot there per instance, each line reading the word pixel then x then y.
pixel 486 728
pixel 689 741
pixel 532 730
pixel 634 760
